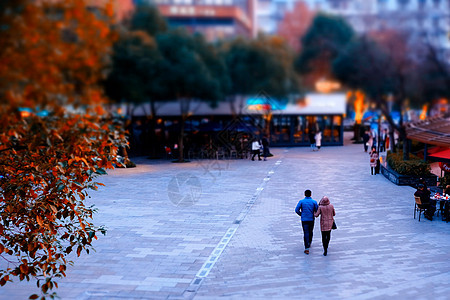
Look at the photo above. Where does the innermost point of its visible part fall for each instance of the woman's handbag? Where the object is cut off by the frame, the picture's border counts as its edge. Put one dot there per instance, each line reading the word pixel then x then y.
pixel 334 225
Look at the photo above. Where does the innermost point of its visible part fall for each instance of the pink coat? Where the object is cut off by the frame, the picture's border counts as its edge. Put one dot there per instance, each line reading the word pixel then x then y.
pixel 326 210
pixel 373 159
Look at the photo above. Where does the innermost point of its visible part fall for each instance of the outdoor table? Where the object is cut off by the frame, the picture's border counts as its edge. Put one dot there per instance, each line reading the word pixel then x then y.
pixel 443 201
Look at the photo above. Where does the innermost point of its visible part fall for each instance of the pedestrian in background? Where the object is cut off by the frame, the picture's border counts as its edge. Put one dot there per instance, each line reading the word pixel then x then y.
pixel 326 213
pixel 306 209
pixel 430 206
pixel 383 136
pixel 373 137
pixel 373 160
pixel 256 149
pixel 366 138
pixel 318 138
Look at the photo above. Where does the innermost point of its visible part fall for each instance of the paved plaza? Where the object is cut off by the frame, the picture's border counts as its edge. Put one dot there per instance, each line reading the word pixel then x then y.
pixel 227 229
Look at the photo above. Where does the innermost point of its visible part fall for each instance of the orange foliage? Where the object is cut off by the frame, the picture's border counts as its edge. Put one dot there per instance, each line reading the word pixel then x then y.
pixel 359 106
pixel 52 57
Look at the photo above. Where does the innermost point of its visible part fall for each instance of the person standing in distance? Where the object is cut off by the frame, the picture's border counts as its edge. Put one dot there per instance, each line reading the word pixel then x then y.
pixel 306 209
pixel 366 138
pixel 373 155
pixel 326 211
pixel 256 149
pixel 318 138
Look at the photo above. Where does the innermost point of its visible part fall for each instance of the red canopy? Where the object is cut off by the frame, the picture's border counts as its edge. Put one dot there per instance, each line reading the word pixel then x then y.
pixel 443 154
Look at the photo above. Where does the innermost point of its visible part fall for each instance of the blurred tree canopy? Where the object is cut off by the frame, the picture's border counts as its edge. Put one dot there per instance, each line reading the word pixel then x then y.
pixel 193 70
pixel 134 69
pixel 392 72
pixel 260 65
pixel 146 17
pixel 151 64
pixel 54 137
pixel 321 44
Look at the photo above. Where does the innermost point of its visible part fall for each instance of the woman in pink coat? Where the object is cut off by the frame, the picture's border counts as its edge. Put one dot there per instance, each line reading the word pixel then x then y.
pixel 326 211
pixel 373 161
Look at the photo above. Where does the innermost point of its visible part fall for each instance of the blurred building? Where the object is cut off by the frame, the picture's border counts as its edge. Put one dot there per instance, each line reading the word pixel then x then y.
pixel 269 13
pixel 216 19
pixel 122 8
pixel 428 20
pixel 286 123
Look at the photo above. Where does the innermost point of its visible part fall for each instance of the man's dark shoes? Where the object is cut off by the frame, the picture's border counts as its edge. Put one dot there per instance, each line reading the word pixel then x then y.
pixel 429 217
pixel 306 251
pixel 325 253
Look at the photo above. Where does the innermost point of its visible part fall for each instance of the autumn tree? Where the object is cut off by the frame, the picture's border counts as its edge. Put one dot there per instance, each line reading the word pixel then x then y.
pixel 55 138
pixel 386 68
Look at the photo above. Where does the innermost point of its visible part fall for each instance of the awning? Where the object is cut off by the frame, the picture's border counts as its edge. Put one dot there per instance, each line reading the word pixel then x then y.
pixel 442 156
pixel 432 131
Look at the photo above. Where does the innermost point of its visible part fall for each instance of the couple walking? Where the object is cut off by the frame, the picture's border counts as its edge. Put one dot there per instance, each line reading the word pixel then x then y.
pixel 308 210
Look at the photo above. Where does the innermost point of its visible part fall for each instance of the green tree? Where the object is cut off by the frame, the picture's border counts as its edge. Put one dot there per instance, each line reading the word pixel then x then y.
pixel 136 66
pixel 261 65
pixel 146 17
pixel 191 68
pixel 321 44
pixel 134 70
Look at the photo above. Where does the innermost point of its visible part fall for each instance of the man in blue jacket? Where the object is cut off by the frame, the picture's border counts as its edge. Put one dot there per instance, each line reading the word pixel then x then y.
pixel 306 209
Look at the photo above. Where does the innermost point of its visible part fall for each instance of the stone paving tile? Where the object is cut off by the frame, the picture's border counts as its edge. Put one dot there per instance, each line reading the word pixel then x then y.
pixel 154 249
pixel 148 236
pixel 379 251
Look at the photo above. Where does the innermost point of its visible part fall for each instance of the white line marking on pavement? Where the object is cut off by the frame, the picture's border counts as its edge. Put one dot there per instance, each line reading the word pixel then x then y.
pixel 215 255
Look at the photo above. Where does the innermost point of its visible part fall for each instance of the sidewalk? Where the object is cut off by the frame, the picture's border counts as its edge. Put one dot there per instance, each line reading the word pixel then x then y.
pixel 210 229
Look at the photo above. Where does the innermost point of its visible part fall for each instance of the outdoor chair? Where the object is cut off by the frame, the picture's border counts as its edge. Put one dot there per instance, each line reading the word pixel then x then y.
pixel 417 207
pixel 233 152
pixel 220 153
pixel 244 154
pixel 204 153
pixel 192 154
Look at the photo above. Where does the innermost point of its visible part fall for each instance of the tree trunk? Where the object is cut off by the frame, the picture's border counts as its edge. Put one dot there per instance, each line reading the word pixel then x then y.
pixel 232 101
pixel 152 129
pixel 392 145
pixel 184 108
pixel 357 132
pixel 406 149
pixel 181 140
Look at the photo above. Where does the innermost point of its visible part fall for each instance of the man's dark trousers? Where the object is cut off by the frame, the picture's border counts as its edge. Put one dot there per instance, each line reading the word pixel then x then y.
pixel 308 227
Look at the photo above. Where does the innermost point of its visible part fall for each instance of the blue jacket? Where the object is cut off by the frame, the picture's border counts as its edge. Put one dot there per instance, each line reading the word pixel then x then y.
pixel 306 209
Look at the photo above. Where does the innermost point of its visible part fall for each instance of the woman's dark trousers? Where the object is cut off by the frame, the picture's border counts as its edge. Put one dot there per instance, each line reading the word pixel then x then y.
pixel 326 236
